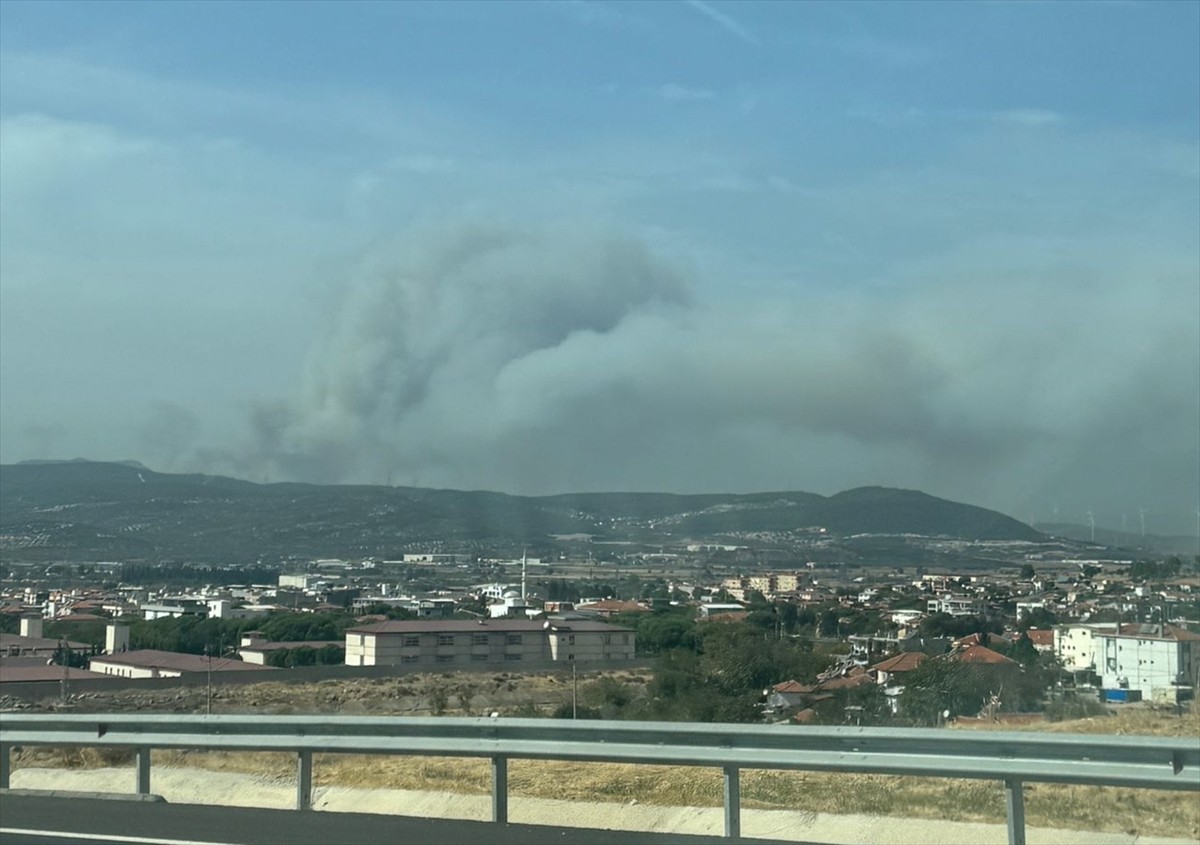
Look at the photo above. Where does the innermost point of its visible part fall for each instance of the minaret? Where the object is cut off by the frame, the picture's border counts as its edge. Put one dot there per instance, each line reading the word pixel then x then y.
pixel 523 562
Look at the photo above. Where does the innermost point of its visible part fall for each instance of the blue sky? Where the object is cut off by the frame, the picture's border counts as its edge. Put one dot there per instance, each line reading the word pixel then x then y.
pixel 563 246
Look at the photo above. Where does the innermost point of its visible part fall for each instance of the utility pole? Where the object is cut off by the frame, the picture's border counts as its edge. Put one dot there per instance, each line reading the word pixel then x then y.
pixel 208 697
pixel 574 692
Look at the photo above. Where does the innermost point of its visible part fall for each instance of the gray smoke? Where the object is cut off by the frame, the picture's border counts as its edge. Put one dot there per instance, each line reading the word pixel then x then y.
pixel 541 361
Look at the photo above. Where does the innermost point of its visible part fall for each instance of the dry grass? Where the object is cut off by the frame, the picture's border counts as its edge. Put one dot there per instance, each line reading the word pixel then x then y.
pixel 1141 812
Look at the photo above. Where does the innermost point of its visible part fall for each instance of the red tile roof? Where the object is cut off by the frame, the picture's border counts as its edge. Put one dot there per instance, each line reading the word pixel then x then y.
pixel 1040 637
pixel 980 654
pixel 903 662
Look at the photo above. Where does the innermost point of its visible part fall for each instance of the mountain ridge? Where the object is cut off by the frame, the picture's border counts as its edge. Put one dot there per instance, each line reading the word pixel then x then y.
pixel 137 512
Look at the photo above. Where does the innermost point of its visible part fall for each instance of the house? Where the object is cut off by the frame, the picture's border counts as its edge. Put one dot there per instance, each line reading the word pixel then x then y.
pixel 1042 639
pixel 710 610
pixel 174 608
pixel 979 654
pixel 890 673
pixel 14 645
pixel 453 642
pixel 257 650
pixel 31 643
pixel 607 607
pixel 955 605
pixel 151 663
pixel 1162 661
pixel 786 695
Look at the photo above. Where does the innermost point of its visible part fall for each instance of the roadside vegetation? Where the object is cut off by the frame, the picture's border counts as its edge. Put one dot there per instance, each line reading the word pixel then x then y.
pixel 1136 812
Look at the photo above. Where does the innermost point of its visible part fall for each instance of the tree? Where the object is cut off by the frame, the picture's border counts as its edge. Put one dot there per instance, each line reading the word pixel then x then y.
pixel 1038 617
pixel 1027 572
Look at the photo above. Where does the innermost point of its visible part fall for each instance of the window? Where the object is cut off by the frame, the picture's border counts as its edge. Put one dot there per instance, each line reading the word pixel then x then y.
pixel 571 639
pixel 411 658
pixel 512 657
pixel 445 639
pixel 479 658
pixel 479 639
pixel 411 640
pixel 513 639
pixel 445 658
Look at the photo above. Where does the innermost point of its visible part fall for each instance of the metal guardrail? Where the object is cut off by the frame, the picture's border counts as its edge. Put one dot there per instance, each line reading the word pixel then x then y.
pixel 1013 758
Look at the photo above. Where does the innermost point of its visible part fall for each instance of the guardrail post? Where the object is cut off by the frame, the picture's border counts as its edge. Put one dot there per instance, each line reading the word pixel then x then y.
pixel 733 802
pixel 1014 794
pixel 5 765
pixel 500 790
pixel 304 780
pixel 142 755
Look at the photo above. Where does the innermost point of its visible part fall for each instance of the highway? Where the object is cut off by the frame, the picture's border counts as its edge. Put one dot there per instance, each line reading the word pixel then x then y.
pixel 41 820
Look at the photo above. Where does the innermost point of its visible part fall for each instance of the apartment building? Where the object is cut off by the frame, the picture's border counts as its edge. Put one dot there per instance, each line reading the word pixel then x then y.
pixel 1160 661
pixel 955 605
pixel 444 644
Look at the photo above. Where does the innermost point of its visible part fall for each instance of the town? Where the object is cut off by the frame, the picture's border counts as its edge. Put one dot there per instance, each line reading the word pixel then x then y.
pixel 823 643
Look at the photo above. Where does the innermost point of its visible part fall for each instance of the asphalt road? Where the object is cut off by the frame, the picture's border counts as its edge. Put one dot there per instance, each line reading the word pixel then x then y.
pixel 39 820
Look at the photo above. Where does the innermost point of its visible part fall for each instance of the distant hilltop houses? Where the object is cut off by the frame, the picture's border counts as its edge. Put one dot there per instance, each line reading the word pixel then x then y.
pixel 1127 631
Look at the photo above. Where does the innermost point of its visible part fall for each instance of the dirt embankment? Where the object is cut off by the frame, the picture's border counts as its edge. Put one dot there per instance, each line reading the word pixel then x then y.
pixel 450 694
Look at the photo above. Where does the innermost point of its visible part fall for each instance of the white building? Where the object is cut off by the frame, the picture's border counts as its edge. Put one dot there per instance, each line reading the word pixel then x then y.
pixel 1157 660
pixel 955 605
pixel 173 609
pixel 447 643
pixel 151 663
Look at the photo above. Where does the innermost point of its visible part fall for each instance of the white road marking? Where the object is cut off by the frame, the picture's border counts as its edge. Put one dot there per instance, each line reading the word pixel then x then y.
pixel 104 837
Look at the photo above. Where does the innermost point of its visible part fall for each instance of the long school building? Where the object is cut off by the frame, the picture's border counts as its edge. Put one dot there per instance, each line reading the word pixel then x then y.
pixel 444 644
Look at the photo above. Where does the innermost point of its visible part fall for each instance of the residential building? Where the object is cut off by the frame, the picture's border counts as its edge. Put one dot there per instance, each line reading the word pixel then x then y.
pixel 1160 661
pixel 151 663
pixel 955 605
pixel 448 643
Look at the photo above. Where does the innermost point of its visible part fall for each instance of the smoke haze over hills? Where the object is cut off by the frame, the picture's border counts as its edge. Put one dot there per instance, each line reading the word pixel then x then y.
pixel 525 248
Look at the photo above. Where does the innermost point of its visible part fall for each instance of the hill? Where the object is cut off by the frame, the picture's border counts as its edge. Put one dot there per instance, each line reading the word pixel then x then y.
pixel 85 510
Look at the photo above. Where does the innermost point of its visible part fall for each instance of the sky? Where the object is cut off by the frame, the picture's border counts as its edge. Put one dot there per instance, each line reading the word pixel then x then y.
pixel 582 246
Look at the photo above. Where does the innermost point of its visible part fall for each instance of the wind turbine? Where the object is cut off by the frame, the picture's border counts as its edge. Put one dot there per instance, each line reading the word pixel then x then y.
pixel 1092 525
pixel 1142 514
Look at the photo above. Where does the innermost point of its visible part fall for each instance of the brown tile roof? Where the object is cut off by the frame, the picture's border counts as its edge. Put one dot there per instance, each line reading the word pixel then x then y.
pixel 614 606
pixel 980 654
pixel 29 674
pixel 293 644
pixel 849 682
pixel 790 686
pixel 8 641
pixel 1040 637
pixel 150 658
pixel 904 662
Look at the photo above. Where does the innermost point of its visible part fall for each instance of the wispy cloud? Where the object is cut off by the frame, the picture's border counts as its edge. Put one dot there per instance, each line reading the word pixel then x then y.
pixel 673 93
pixel 600 15
pixel 1027 117
pixel 722 20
